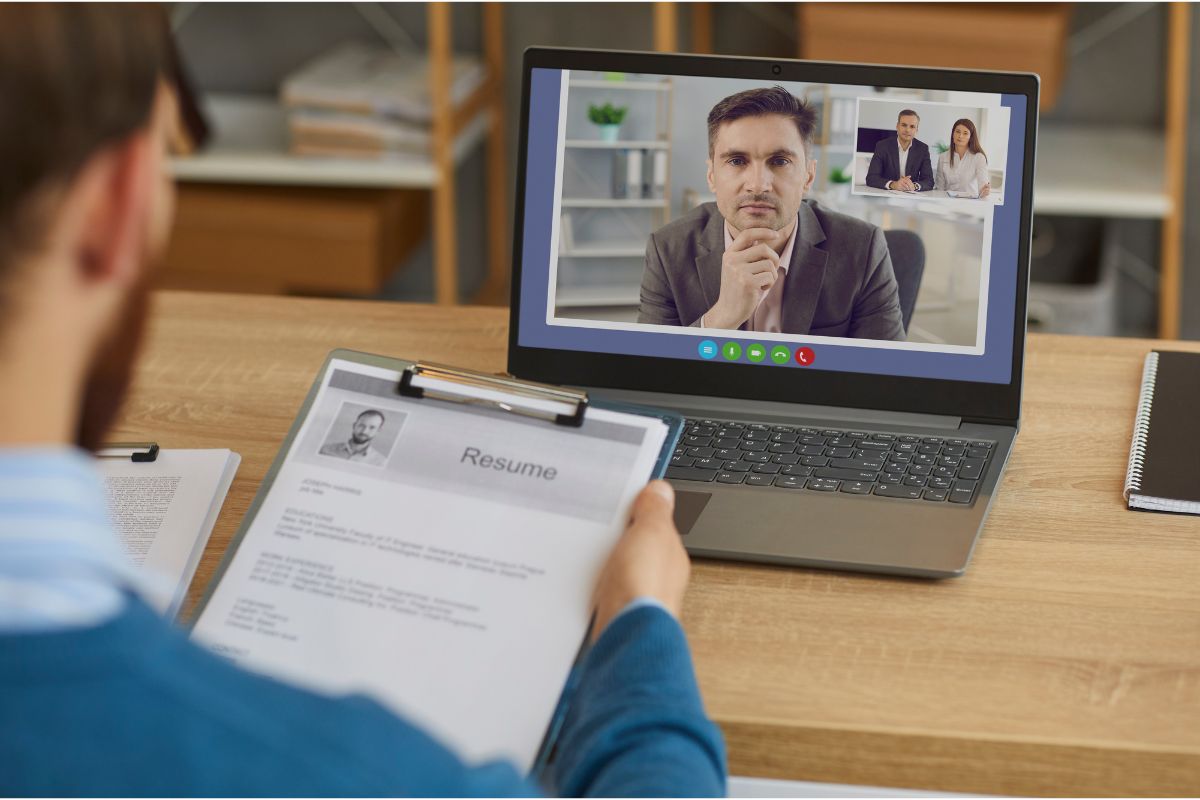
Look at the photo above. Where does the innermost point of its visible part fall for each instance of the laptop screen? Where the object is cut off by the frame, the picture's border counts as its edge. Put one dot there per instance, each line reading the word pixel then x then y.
pixel 788 225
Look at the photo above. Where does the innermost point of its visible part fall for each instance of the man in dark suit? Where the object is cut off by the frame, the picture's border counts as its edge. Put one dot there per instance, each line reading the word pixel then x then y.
pixel 762 258
pixel 902 163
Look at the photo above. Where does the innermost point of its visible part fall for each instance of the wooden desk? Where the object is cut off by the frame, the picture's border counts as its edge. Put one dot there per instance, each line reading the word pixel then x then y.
pixel 1066 661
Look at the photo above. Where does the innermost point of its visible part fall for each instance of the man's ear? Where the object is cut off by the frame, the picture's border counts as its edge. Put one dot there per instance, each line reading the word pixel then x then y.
pixel 812 174
pixel 112 198
pixel 708 175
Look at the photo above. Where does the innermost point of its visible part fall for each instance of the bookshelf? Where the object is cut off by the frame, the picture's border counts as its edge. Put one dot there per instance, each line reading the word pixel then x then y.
pixel 603 235
pixel 248 161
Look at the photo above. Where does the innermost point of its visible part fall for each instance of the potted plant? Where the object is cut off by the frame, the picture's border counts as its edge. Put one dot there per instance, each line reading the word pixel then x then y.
pixel 609 118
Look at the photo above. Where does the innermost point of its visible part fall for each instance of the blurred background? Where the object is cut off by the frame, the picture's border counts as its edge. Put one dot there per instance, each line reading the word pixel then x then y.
pixel 369 149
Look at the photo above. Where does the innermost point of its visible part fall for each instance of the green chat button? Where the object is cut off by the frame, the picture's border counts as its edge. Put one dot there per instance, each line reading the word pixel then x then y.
pixel 756 352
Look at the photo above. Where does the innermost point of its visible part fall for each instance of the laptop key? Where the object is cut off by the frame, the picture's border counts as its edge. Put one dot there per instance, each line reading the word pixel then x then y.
pixel 911 439
pixel 709 463
pixel 756 458
pixel 934 494
pixel 889 478
pixel 811 450
pixel 971 468
pixel 780 447
pixel 785 458
pixel 813 439
pixel 962 492
pixel 821 485
pixel 914 480
pixel 845 474
pixel 737 466
pixel 682 461
pixel 731 477
pixel 726 442
pixel 919 469
pixel 856 463
pixel 867 445
pixel 857 434
pixel 697 441
pixel 839 452
pixel 856 487
pixel 905 492
pixel 691 474
pixel 758 480
pixel 785 438
pixel 940 483
pixel 814 461
pixel 883 437
pixel 894 469
pixel 701 452
pixel 766 469
pixel 728 453
pixel 977 452
pixel 789 482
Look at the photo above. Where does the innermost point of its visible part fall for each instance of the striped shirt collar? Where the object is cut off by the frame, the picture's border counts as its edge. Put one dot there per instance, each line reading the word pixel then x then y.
pixel 61 565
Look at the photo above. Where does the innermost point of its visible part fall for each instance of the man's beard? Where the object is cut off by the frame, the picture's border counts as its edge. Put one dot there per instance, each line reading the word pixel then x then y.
pixel 112 371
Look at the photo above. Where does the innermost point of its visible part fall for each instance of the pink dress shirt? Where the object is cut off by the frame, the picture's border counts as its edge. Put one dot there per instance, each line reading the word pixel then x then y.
pixel 768 317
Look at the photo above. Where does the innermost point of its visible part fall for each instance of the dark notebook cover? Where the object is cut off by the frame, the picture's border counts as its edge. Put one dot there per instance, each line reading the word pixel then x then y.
pixel 1171 468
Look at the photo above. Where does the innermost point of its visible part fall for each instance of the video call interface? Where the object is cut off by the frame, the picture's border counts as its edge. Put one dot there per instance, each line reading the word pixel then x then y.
pixel 801 225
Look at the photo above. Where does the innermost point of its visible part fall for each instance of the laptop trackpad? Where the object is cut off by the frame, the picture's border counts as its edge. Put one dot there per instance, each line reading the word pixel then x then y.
pixel 688 506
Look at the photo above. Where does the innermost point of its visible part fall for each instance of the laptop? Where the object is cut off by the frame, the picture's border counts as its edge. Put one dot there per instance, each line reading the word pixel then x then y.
pixel 823 266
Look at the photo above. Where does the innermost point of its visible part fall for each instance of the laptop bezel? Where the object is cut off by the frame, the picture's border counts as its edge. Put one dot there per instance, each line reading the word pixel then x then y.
pixel 972 401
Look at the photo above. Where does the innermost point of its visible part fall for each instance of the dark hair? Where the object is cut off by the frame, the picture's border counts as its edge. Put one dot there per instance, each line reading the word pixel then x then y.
pixel 908 112
pixel 760 102
pixel 972 143
pixel 372 412
pixel 74 79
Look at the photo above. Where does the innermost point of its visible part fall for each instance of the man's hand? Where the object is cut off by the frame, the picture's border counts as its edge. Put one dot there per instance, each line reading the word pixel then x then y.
pixel 648 561
pixel 985 191
pixel 749 268
pixel 905 184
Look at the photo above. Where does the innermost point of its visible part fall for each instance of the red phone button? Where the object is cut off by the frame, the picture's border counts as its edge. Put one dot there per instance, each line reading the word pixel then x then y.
pixel 805 356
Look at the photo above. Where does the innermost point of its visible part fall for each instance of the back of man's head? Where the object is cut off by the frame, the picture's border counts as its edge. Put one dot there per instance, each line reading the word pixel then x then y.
pixel 74 78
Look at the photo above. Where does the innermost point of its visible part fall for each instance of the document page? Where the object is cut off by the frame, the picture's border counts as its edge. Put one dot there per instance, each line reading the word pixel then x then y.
pixel 437 556
pixel 164 511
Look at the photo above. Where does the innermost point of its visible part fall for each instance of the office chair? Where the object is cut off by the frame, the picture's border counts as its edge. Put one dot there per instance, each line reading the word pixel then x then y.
pixel 908 262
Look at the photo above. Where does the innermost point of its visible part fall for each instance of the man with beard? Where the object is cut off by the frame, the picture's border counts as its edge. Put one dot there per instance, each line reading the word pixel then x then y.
pixel 98 695
pixel 762 258
pixel 359 448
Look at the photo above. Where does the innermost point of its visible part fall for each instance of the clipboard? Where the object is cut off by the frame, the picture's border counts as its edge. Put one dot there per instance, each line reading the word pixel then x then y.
pixel 529 403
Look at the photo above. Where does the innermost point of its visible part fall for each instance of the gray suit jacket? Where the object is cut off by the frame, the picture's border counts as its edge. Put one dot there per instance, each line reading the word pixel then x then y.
pixel 839 283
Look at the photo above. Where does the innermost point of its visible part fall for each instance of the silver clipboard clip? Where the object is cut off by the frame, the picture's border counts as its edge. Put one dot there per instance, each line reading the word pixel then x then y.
pixel 137 452
pixel 496 383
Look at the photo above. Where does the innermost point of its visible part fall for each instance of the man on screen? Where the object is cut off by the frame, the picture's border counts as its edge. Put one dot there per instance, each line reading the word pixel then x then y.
pixel 359 448
pixel 902 163
pixel 762 258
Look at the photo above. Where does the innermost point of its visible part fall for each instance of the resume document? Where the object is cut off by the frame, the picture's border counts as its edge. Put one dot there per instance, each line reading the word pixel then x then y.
pixel 437 556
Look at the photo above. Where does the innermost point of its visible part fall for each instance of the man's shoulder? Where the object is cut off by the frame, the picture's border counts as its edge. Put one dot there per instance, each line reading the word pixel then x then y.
pixel 690 224
pixel 678 238
pixel 882 145
pixel 332 449
pixel 839 227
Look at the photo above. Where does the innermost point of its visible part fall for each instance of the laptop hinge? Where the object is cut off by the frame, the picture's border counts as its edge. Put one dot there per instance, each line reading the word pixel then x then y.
pixel 770 411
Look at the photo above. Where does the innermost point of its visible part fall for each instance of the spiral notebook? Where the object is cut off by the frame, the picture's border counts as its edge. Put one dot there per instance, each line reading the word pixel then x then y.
pixel 1164 458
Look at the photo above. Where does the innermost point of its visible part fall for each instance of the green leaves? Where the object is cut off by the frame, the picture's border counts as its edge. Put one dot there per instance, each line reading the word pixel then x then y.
pixel 607 114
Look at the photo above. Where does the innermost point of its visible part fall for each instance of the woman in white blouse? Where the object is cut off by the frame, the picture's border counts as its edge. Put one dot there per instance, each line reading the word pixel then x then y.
pixel 963 168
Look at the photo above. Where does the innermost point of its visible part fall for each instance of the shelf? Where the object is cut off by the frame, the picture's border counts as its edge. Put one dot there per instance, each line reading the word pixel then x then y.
pixel 250 145
pixel 637 86
pixel 620 250
pixel 583 296
pixel 610 202
pixel 596 144
pixel 1103 172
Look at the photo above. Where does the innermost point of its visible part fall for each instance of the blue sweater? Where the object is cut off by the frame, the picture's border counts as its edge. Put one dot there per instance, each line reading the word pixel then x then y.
pixel 133 708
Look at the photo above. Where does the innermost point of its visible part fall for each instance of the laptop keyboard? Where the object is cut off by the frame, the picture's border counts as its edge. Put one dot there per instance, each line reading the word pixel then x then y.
pixel 894 465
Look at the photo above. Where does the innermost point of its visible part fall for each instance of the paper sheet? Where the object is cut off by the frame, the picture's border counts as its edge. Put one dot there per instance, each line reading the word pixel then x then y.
pixel 437 556
pixel 164 512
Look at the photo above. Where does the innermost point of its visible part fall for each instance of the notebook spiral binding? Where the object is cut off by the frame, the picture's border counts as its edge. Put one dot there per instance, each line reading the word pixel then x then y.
pixel 1141 426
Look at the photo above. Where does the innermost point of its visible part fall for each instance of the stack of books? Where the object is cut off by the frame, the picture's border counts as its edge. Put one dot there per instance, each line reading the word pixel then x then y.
pixel 357 100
